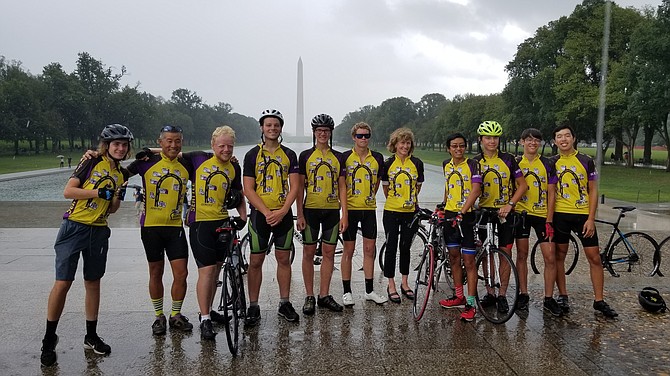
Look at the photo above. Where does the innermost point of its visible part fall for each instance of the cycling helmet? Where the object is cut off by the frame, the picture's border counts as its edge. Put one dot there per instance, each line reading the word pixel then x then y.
pixel 489 128
pixel 271 113
pixel 651 300
pixel 113 132
pixel 234 199
pixel 323 120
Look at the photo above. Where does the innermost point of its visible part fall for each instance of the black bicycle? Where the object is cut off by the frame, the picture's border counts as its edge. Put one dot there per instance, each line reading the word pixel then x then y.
pixel 420 236
pixel 233 302
pixel 633 252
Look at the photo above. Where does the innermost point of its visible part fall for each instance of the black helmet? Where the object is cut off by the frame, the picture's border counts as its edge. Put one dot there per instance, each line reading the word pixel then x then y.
pixel 234 199
pixel 323 120
pixel 113 132
pixel 271 113
pixel 651 300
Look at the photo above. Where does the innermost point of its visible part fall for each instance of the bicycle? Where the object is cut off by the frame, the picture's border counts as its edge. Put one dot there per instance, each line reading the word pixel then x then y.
pixel 435 257
pixel 419 238
pixel 233 301
pixel 634 252
pixel 664 245
pixel 496 274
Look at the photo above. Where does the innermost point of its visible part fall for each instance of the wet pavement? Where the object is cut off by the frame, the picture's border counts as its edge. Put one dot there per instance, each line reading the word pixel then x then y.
pixel 366 339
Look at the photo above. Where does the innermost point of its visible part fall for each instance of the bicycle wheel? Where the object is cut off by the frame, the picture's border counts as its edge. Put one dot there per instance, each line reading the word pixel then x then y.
pixel 419 242
pixel 245 251
pixel 663 247
pixel 423 282
pixel 537 259
pixel 443 273
pixel 635 253
pixel 498 278
pixel 230 302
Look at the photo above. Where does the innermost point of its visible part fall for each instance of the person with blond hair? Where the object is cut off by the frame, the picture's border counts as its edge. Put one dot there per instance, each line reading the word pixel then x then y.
pixel 401 181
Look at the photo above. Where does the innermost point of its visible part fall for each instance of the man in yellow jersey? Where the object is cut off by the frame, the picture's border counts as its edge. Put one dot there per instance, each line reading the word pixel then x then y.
pixel 401 181
pixel 96 189
pixel 576 206
pixel 363 174
pixel 270 183
pixel 215 178
pixel 164 178
pixel 539 202
pixel 323 187
pixel 502 187
pixel 463 184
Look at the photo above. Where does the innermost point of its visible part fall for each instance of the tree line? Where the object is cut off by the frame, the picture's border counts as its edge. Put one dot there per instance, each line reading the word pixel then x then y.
pixel 56 110
pixel 554 79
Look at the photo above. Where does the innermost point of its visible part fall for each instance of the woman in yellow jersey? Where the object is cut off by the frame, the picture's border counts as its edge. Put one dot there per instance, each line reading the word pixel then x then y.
pixel 96 189
pixel 401 182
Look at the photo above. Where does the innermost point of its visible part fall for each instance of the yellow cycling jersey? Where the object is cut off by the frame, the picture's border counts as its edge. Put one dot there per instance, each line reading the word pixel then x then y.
pixel 575 172
pixel 212 181
pixel 403 179
pixel 94 174
pixel 498 175
pixel 271 171
pixel 321 172
pixel 458 182
pixel 362 176
pixel 539 174
pixel 164 182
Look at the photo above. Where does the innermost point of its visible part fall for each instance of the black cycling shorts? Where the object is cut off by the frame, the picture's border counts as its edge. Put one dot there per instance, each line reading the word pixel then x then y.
pixel 206 248
pixel 452 236
pixel 164 240
pixel 75 238
pixel 260 231
pixel 564 223
pixel 537 224
pixel 327 220
pixel 368 224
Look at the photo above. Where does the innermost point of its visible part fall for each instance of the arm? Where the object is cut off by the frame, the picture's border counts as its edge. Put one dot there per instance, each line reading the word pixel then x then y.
pixel 521 188
pixel 255 200
pixel 476 191
pixel 342 190
pixel 590 225
pixel 300 204
pixel 276 216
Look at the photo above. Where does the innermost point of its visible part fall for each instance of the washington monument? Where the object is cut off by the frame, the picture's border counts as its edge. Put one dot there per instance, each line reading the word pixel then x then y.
pixel 300 105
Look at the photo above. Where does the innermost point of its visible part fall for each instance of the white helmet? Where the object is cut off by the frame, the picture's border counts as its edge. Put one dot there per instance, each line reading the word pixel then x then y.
pixel 271 113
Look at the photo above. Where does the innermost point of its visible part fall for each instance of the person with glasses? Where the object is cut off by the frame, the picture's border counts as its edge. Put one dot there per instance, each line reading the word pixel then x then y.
pixel 401 181
pixel 502 187
pixel 270 180
pixel 324 190
pixel 96 188
pixel 576 206
pixel 363 168
pixel 538 202
pixel 463 184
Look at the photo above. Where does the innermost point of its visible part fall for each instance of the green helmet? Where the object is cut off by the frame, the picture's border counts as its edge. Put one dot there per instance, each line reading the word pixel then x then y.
pixel 489 128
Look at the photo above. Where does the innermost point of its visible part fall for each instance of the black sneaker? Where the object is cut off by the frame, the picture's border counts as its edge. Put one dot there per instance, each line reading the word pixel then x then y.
pixel 488 301
pixel 96 344
pixel 49 357
pixel 159 327
pixel 330 303
pixel 309 306
pixel 503 306
pixel 180 322
pixel 218 318
pixel 286 311
pixel 564 303
pixel 253 316
pixel 207 331
pixel 552 306
pixel 605 309
pixel 522 302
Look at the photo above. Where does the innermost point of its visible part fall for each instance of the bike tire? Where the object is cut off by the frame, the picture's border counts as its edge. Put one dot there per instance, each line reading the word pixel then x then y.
pixel 537 259
pixel 245 251
pixel 492 266
pixel 443 272
pixel 419 242
pixel 423 282
pixel 663 247
pixel 230 303
pixel 635 253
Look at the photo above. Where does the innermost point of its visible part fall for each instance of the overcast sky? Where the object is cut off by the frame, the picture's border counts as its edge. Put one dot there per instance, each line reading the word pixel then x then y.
pixel 355 52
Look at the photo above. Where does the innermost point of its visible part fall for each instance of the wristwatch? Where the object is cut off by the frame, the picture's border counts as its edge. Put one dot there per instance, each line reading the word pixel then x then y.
pixel 511 203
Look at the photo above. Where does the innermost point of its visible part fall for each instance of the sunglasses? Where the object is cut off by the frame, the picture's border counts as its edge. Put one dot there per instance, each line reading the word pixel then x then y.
pixel 171 128
pixel 362 135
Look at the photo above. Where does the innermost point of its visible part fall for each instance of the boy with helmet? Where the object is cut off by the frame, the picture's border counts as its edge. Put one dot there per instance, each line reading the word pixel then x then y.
pixel 576 206
pixel 363 175
pixel 502 187
pixel 96 188
pixel 270 180
pixel 323 187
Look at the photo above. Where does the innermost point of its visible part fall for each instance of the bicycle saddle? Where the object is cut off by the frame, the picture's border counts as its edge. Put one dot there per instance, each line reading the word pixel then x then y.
pixel 625 208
